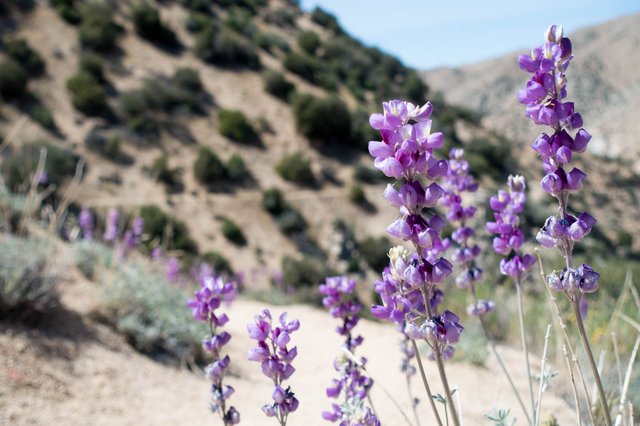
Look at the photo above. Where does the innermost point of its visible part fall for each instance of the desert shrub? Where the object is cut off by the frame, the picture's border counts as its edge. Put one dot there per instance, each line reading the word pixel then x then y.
pixel 357 195
pixel 188 79
pixel 208 169
pixel 13 80
pixel 150 312
pixel 90 254
pixel 296 168
pixel 490 157
pixel 200 6
pixel 218 262
pixel 42 115
pixel 87 94
pixel 234 125
pixel 305 272
pixel 325 20
pixel 290 221
pixel 198 21
pixel 311 69
pixel 163 172
pixel 270 41
pixel 273 201
pixel 223 47
pixel 19 50
pixel 108 147
pixel 324 121
pixel 281 17
pixel 277 85
pixel 27 285
pixel 414 89
pixel 239 20
pixel 19 168
pixel 366 174
pixel 97 29
pixel 68 10
pixel 147 22
pixel 232 232
pixel 159 225
pixel 93 64
pixel 236 169
pixel 309 41
pixel 144 126
pixel 374 251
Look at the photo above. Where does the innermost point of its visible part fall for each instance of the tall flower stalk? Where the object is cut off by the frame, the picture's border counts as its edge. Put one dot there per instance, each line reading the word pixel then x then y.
pixel 207 300
pixel 353 385
pixel 506 206
pixel 275 358
pixel 544 98
pixel 457 183
pixel 409 288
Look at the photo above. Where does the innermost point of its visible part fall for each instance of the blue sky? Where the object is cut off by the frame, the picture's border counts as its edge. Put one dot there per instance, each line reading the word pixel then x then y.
pixel 426 34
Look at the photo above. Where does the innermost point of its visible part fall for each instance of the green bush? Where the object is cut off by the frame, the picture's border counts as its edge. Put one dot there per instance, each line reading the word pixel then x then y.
pixel 187 78
pixel 357 195
pixel 223 47
pixel 67 9
pixel 19 50
pixel 108 147
pixel 93 65
pixel 309 41
pixel 218 262
pixel 375 252
pixel 197 22
pixel 239 20
pixel 365 174
pixel 270 41
pixel 150 312
pixel 236 169
pixel 13 80
pixel 234 125
pixel 296 168
pixel 42 115
pixel 97 29
pixel 306 272
pixel 281 17
pixel 233 232
pixel 303 65
pixel 147 22
pixel 324 121
pixel 163 172
pixel 278 86
pixel 87 94
pixel 273 201
pixel 326 20
pixel 27 284
pixel 291 221
pixel 19 168
pixel 208 169
pixel 144 126
pixel 159 225
pixel 90 254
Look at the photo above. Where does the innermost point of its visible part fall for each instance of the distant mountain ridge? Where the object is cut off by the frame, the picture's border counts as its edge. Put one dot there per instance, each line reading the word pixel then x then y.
pixel 603 80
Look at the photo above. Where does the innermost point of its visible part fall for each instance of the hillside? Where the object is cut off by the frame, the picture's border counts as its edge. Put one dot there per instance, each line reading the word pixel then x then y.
pixel 604 83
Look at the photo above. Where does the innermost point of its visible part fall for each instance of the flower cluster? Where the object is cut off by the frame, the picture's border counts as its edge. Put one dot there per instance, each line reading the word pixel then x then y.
pixel 86 220
pixel 340 300
pixel 409 286
pixel 112 226
pixel 506 206
pixel 544 98
pixel 457 182
pixel 275 359
pixel 207 300
pixel 440 331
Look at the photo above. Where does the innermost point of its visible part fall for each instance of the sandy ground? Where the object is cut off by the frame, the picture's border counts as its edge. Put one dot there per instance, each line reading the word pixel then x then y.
pixel 74 371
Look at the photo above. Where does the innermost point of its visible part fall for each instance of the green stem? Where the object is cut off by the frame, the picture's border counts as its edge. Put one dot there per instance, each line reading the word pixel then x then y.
pixel 426 383
pixel 525 348
pixel 592 363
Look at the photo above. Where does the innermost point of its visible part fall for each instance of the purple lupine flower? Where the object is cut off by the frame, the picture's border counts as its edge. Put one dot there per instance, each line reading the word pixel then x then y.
pixel 457 182
pixel 87 223
pixel 353 385
pixel 42 178
pixel 275 358
pixel 409 286
pixel 173 269
pixel 545 100
pixel 506 206
pixel 203 307
pixel 112 225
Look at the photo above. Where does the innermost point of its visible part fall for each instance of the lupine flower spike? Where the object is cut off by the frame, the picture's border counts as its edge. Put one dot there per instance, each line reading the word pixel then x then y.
pixel 506 206
pixel 545 100
pixel 409 287
pixel 275 358
pixel 353 385
pixel 86 221
pixel 205 308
